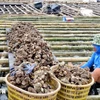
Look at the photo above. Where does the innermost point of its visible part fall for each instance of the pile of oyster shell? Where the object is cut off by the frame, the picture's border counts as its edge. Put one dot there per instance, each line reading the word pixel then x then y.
pixel 72 75
pixel 27 44
pixel 35 82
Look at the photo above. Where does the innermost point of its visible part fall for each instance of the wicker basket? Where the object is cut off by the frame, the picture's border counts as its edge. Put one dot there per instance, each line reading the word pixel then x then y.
pixel 15 93
pixel 73 92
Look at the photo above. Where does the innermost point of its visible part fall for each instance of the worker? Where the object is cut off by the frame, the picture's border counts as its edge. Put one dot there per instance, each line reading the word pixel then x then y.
pixel 94 62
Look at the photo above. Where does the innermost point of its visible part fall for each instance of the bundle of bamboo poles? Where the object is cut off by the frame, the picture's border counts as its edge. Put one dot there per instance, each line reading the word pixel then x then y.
pixel 17 1
pixel 4 62
pixel 63 37
pixel 68 1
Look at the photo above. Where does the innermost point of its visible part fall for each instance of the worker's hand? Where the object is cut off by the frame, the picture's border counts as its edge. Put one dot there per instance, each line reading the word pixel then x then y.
pixel 81 64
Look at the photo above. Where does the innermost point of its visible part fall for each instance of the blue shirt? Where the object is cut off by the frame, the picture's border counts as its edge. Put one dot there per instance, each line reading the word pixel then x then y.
pixel 94 60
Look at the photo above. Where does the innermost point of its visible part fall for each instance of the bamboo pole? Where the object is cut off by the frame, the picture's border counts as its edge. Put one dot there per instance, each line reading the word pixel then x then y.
pixel 31 16
pixel 3 47
pixel 51 17
pixel 44 22
pixel 52 20
pixel 70 43
pixel 82 29
pixel 35 22
pixel 88 19
pixel 44 19
pixel 54 26
pixel 48 16
pixel 55 21
pixel 33 19
pixel 71 54
pixel 4 69
pixel 70 24
pixel 51 23
pixel 43 16
pixel 22 15
pixel 3 38
pixel 2 31
pixel 95 31
pixel 59 35
pixel 66 26
pixel 5 26
pixel 92 17
pixel 67 39
pixel 2 79
pixel 3 54
pixel 3 43
pixel 60 25
pixel 93 97
pixel 72 59
pixel 71 47
pixel 63 30
pixel 5 60
pixel 94 21
pixel 67 35
pixel 69 32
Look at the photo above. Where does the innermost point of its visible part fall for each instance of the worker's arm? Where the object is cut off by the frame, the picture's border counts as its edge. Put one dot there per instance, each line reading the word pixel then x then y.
pixel 90 62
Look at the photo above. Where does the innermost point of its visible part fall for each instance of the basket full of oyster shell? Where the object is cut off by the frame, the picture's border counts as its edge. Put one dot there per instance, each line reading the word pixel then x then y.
pixel 38 84
pixel 75 81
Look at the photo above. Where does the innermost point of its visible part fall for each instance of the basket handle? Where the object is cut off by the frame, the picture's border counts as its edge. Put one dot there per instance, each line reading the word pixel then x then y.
pixel 53 68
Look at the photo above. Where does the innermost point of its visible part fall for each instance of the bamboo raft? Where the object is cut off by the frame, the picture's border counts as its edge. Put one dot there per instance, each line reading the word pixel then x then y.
pixel 17 8
pixel 68 41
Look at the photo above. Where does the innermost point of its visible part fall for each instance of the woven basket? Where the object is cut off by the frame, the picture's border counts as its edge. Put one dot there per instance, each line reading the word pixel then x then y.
pixel 15 93
pixel 73 92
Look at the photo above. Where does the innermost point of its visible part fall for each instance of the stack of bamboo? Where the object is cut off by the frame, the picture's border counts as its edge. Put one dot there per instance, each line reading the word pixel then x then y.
pixel 68 1
pixel 69 41
pixel 93 6
pixel 4 65
pixel 17 1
